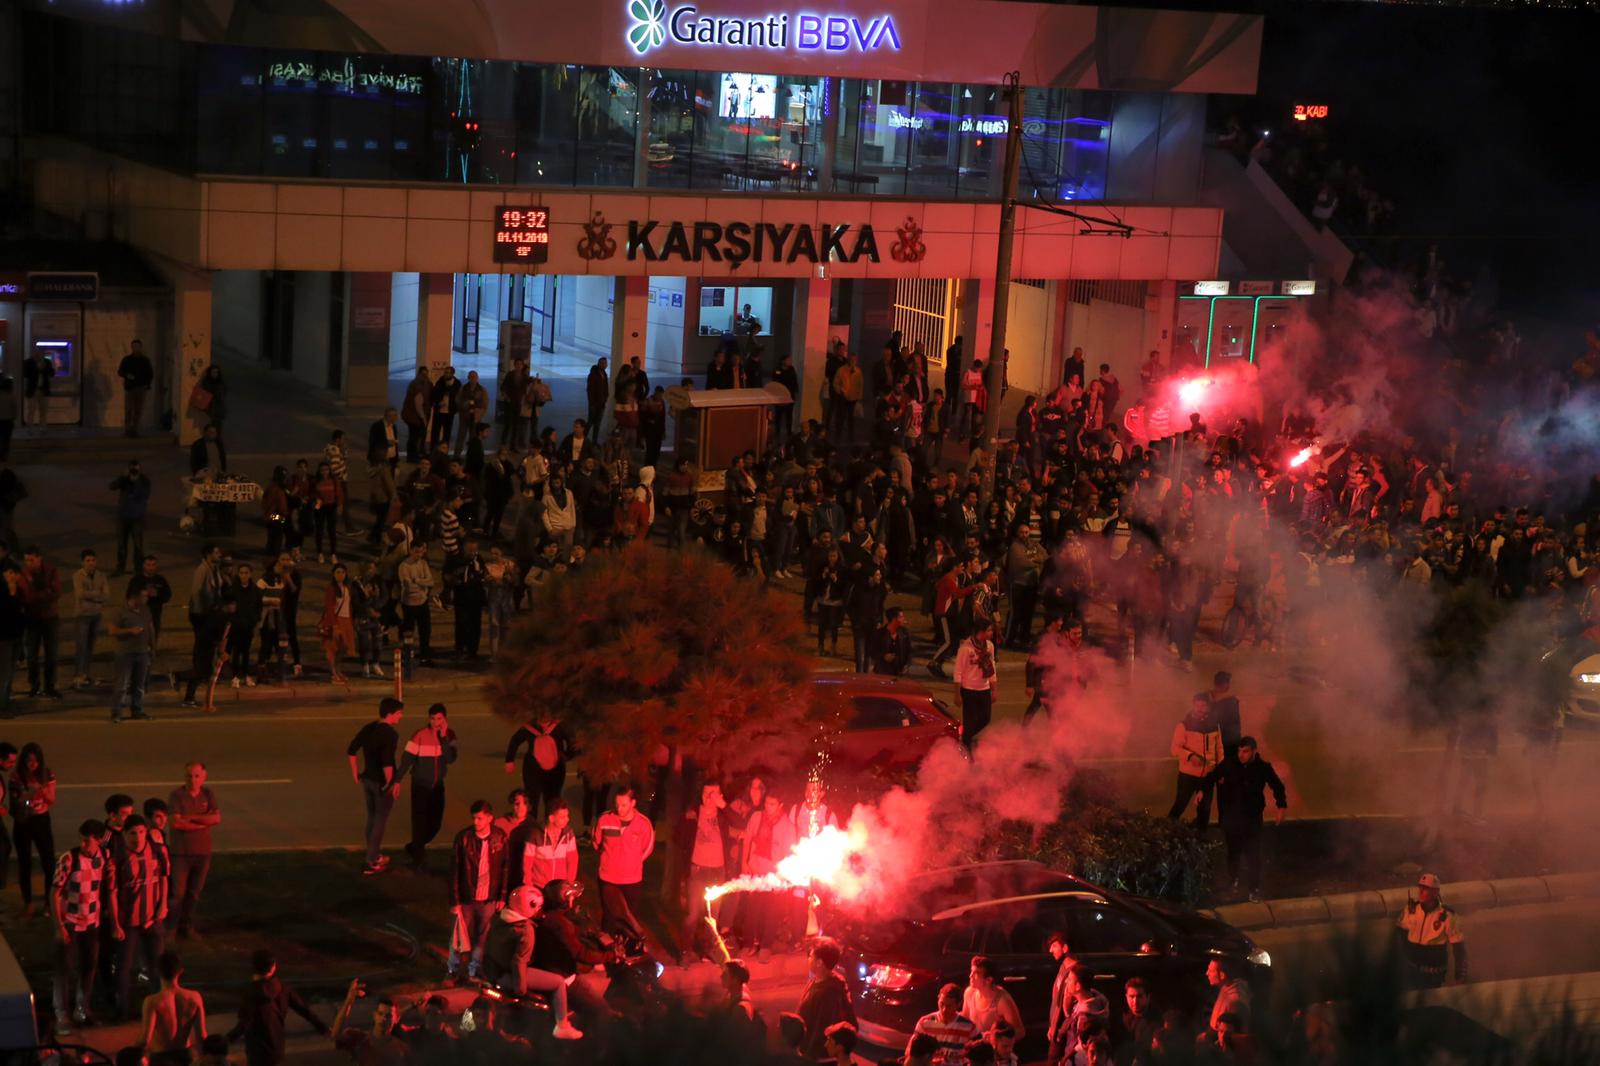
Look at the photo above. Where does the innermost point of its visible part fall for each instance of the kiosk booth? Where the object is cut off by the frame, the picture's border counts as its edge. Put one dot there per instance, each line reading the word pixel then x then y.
pixel 714 425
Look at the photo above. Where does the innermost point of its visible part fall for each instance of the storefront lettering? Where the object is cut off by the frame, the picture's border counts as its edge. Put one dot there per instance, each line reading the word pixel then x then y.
pixel 761 242
pixel 345 76
pixel 651 23
pixel 990 127
pixel 899 120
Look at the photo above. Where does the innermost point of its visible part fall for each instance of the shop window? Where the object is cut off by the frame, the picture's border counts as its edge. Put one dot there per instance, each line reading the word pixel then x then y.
pixel 723 310
pixel 229 101
pixel 606 121
pixel 670 153
pixel 763 133
pixel 934 139
pixel 887 117
pixel 289 126
pixel 982 127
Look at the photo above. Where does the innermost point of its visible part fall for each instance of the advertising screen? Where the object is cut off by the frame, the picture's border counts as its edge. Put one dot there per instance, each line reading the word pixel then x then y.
pixel 747 96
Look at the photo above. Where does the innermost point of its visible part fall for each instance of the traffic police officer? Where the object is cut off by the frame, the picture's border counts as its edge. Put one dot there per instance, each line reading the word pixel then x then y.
pixel 1430 930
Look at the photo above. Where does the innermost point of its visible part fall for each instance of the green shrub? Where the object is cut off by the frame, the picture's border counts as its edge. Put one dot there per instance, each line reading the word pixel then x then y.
pixel 1133 852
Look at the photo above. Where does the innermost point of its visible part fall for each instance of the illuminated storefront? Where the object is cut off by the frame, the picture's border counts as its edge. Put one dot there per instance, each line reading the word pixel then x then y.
pixel 360 163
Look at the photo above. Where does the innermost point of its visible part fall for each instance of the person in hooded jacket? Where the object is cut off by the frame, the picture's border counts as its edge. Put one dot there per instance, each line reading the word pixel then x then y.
pixel 508 957
pixel 544 765
pixel 1197 745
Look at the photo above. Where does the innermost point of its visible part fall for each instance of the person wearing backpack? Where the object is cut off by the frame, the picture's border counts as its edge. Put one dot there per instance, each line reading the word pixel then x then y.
pixel 949 595
pixel 544 766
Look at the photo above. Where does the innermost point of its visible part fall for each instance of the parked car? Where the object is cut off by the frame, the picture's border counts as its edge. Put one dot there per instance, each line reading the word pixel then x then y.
pixel 1578 659
pixel 1007 911
pixel 882 722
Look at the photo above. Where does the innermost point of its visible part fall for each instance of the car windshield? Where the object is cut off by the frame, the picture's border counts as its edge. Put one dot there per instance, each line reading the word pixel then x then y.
pixel 1161 912
pixel 940 890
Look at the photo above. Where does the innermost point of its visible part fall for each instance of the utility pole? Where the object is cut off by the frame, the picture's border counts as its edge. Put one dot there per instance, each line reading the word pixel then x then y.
pixel 993 373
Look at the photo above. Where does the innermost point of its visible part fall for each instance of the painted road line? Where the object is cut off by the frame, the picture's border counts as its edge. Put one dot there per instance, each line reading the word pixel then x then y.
pixel 263 719
pixel 163 784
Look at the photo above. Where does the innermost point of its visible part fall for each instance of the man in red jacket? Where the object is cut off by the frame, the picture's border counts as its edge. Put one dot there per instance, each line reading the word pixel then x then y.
pixel 624 838
pixel 947 592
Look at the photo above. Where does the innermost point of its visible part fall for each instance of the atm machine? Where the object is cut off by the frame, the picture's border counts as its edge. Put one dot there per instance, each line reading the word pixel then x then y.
pixel 55 339
pixel 516 342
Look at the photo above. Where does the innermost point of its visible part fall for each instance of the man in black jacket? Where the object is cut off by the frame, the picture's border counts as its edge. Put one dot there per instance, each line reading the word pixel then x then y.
pixel 444 398
pixel 598 389
pixel 891 651
pixel 479 849
pixel 137 374
pixel 1241 781
pixel 208 453
pixel 1225 708
pixel 263 1009
pixel 579 444
pixel 952 378
pixel 383 441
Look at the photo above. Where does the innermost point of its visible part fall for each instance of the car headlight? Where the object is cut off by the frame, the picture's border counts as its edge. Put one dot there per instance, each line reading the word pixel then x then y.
pixel 890 978
pixel 1259 956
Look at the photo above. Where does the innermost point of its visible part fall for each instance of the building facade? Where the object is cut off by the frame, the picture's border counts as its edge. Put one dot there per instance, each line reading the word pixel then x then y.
pixel 370 186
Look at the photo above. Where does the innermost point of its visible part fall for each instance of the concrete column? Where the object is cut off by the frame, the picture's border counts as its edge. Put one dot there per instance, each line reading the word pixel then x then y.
pixel 630 319
pixel 1161 305
pixel 810 341
pixel 191 345
pixel 435 305
pixel 977 318
pixel 368 303
pixel 832 100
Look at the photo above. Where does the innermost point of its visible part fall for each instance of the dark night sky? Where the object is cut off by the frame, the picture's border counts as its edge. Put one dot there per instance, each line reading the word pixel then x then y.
pixel 1481 124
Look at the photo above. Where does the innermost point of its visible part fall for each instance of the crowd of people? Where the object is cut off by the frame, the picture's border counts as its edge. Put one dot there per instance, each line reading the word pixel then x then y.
pixel 1001 548
pixel 115 900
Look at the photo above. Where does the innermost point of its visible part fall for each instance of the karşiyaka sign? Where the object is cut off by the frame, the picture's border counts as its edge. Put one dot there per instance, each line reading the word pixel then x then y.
pixel 756 242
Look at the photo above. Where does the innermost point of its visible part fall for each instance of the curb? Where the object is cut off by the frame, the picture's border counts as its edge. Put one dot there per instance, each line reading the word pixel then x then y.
pixel 319 693
pixel 1379 903
pixel 324 692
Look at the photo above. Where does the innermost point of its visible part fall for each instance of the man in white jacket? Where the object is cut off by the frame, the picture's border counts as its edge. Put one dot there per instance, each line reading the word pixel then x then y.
pixel 1197 745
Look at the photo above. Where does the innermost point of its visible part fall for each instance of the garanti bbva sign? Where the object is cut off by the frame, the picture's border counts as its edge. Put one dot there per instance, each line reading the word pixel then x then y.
pixel 654 23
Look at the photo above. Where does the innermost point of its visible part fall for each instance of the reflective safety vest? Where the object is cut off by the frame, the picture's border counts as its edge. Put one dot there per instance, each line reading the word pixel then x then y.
pixel 1428 935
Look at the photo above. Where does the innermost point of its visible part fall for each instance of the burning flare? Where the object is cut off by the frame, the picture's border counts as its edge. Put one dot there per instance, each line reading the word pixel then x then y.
pixel 1299 458
pixel 828 858
pixel 1191 392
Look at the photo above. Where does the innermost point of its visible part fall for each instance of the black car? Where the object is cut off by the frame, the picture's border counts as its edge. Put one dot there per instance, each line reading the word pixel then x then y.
pixel 1007 911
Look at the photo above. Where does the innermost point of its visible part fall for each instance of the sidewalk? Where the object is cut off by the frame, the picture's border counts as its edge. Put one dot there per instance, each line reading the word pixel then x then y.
pixel 1378 904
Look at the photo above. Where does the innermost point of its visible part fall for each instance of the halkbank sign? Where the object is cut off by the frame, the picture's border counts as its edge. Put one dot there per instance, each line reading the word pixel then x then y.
pixel 653 23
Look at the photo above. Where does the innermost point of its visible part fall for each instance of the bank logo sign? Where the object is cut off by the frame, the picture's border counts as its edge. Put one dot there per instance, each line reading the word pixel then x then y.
pixel 649 28
pixel 651 23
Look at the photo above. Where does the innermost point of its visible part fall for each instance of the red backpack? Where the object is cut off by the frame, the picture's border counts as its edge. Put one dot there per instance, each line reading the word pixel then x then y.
pixel 546 752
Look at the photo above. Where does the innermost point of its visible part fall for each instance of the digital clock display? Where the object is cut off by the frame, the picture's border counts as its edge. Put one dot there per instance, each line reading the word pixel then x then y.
pixel 521 235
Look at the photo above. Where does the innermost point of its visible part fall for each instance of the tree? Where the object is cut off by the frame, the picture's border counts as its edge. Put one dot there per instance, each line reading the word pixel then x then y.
pixel 646 648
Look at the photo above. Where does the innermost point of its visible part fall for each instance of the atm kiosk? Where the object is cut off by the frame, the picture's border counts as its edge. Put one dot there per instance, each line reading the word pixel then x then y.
pixel 54 342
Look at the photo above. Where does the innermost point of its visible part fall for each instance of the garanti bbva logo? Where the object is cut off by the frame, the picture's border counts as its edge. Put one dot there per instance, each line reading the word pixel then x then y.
pixel 649 27
pixel 653 23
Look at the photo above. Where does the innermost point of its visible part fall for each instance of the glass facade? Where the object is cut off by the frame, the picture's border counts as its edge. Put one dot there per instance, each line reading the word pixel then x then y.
pixel 228 110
